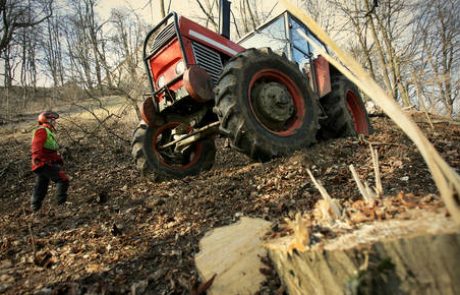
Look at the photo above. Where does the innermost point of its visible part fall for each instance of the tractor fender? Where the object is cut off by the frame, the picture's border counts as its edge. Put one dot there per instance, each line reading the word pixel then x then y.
pixel 149 114
pixel 323 77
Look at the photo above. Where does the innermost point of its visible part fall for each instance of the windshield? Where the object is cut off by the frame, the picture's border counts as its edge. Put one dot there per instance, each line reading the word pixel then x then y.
pixel 272 35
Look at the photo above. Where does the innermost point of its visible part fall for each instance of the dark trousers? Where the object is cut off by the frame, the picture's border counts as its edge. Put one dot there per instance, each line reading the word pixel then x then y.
pixel 44 175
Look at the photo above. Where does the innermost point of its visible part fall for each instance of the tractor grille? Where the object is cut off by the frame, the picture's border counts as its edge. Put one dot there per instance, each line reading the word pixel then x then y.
pixel 209 60
pixel 163 37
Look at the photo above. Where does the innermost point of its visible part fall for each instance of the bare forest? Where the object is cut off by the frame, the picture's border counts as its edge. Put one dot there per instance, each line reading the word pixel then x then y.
pixel 127 230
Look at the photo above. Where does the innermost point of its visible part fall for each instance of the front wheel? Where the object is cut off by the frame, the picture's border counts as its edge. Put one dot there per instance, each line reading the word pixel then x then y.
pixel 170 162
pixel 265 105
pixel 345 110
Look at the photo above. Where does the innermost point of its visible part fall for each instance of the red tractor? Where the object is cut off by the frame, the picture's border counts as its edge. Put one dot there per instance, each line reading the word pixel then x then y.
pixel 268 101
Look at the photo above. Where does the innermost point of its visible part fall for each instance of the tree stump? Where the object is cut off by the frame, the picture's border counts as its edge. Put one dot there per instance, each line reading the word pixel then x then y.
pixel 233 253
pixel 394 257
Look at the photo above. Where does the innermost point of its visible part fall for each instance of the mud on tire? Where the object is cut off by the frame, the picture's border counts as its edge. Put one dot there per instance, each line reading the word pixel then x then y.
pixel 258 125
pixel 345 110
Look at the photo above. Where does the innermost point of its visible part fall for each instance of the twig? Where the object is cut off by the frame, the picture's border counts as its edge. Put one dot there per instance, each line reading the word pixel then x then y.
pixel 368 198
pixel 383 143
pixel 432 122
pixel 101 123
pixel 375 162
pixel 408 108
pixel 333 205
pixel 78 126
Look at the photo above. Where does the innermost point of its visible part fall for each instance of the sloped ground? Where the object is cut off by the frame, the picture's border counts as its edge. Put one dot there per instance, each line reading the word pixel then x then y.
pixel 123 232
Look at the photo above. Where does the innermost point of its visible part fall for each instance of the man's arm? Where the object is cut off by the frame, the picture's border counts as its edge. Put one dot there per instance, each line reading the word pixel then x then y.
pixel 38 142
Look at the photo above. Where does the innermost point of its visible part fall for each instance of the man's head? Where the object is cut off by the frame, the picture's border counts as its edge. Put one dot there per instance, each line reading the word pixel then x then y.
pixel 48 118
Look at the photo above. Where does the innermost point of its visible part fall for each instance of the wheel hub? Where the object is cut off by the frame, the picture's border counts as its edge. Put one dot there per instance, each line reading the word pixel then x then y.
pixel 273 102
pixel 172 155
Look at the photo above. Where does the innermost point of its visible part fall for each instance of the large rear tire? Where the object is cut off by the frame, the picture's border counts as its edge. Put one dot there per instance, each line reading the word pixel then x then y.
pixel 265 105
pixel 345 110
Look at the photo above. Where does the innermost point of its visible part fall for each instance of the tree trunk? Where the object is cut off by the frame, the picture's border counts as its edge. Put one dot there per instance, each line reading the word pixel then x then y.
pixel 385 74
pixel 394 257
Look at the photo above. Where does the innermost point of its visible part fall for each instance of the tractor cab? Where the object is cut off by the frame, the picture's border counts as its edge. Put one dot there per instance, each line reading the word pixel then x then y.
pixel 281 34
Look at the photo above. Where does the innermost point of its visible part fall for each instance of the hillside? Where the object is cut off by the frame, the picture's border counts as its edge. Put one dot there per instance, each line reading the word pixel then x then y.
pixel 123 232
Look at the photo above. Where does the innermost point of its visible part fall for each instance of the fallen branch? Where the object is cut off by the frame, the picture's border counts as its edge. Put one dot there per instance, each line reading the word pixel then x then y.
pixel 102 122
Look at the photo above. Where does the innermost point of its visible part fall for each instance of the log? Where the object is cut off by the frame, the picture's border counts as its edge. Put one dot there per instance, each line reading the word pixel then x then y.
pixel 233 253
pixel 418 256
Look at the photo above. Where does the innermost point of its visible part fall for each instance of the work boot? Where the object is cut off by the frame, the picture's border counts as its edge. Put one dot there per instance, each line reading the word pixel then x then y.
pixel 35 206
pixel 36 201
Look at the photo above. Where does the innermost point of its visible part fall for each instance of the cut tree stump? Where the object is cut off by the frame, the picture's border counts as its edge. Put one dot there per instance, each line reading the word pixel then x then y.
pixel 233 253
pixel 419 256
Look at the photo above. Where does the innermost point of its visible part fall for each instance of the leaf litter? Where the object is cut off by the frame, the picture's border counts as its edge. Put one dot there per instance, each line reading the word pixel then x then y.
pixel 123 233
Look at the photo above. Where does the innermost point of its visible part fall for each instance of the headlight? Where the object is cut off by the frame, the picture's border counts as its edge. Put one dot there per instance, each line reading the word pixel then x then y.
pixel 161 81
pixel 180 67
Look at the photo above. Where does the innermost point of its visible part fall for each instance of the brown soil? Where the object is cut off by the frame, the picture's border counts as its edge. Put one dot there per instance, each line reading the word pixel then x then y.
pixel 123 232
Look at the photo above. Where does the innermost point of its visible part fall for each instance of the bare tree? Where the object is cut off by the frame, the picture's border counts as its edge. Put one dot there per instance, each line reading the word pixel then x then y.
pixel 52 50
pixel 438 31
pixel 84 43
pixel 93 27
pixel 381 30
pixel 14 15
pixel 127 38
pixel 27 42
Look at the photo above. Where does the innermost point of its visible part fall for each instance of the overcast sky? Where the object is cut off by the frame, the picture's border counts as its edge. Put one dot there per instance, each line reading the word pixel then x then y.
pixel 142 8
pixel 183 7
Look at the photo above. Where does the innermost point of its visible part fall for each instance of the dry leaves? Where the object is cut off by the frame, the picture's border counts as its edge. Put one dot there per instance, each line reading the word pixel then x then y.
pixel 124 232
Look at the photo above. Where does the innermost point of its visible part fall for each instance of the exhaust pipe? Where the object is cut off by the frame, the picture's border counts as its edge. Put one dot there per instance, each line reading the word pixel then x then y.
pixel 224 18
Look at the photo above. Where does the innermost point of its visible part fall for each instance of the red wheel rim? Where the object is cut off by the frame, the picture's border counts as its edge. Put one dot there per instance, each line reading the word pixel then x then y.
pixel 272 75
pixel 195 155
pixel 357 112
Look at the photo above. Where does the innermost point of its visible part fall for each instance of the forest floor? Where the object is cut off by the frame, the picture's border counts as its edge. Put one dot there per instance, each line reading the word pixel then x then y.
pixel 122 233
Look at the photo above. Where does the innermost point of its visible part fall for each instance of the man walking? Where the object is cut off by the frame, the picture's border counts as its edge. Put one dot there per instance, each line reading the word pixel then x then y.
pixel 46 161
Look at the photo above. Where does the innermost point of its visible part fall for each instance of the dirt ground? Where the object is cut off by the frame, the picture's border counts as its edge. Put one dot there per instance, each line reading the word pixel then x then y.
pixel 122 232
